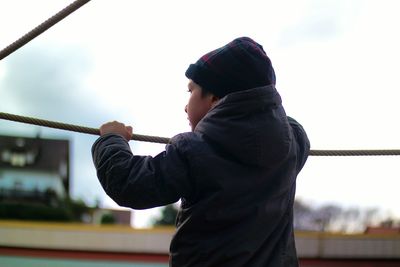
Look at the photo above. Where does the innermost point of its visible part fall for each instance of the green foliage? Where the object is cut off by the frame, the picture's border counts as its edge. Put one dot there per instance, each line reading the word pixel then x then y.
pixel 77 207
pixel 107 218
pixel 66 210
pixel 168 216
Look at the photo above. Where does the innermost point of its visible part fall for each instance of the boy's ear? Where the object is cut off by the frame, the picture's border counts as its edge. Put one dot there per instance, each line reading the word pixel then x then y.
pixel 214 100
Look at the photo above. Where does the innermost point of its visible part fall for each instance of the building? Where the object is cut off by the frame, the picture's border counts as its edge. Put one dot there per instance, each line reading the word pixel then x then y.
pixel 36 171
pixel 33 169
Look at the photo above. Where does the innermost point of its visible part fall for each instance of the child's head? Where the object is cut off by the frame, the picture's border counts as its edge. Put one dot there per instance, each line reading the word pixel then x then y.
pixel 240 65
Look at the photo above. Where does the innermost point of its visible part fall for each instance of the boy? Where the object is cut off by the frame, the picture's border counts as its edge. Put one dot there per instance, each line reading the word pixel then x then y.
pixel 235 173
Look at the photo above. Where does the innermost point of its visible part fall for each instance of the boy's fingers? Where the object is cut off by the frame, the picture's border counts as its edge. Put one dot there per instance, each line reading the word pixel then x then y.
pixel 111 127
pixel 129 132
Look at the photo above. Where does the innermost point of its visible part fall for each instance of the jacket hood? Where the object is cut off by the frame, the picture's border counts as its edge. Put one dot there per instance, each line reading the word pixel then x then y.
pixel 250 126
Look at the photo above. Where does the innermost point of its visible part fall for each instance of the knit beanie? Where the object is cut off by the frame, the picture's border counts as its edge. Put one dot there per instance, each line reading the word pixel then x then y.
pixel 239 65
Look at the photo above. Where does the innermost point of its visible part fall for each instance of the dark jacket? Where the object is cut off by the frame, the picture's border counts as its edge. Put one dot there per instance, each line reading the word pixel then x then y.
pixel 235 176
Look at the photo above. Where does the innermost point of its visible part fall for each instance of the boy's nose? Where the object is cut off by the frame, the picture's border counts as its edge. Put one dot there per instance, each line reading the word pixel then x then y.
pixel 186 108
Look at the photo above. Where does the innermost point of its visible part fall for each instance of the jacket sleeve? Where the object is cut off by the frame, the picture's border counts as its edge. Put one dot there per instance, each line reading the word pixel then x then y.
pixel 303 143
pixel 139 182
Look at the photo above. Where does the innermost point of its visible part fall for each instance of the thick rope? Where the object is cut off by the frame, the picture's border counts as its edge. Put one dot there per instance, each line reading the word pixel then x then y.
pixel 369 152
pixel 41 28
pixel 165 140
pixel 76 128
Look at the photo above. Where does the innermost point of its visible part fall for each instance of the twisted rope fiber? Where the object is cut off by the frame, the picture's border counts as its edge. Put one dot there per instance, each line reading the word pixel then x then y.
pixel 76 128
pixel 165 140
pixel 369 152
pixel 42 28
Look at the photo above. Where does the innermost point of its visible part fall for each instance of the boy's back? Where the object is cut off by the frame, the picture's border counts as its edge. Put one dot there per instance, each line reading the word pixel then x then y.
pixel 243 158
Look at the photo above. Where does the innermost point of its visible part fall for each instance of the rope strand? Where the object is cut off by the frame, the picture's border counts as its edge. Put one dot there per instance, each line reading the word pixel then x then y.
pixel 165 140
pixel 76 128
pixel 356 152
pixel 41 28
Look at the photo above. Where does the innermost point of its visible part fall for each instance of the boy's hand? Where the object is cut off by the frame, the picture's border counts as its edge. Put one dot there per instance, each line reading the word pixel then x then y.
pixel 116 128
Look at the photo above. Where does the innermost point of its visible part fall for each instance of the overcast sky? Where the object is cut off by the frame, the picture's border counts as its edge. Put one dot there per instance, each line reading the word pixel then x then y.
pixel 337 64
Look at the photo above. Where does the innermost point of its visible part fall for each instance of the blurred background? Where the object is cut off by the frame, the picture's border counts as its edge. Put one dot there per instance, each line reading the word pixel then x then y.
pixel 337 68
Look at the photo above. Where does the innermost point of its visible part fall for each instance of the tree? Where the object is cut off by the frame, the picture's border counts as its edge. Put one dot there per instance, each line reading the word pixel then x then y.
pixel 168 216
pixel 325 215
pixel 302 214
pixel 107 218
